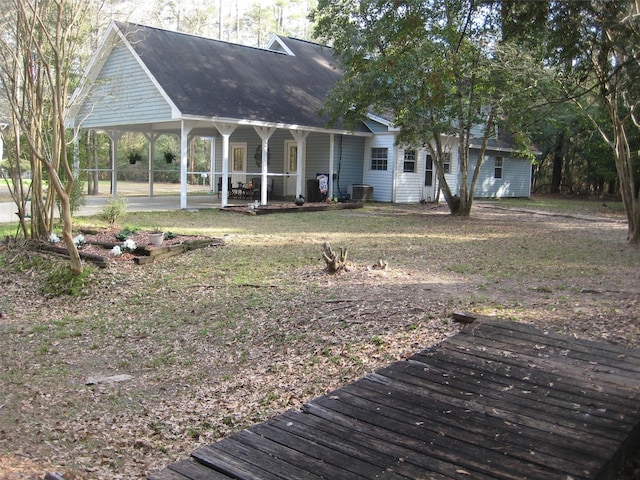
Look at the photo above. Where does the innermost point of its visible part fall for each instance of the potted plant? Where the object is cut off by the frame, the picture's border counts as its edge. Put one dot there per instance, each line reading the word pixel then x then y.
pixel 169 156
pixel 134 157
pixel 156 237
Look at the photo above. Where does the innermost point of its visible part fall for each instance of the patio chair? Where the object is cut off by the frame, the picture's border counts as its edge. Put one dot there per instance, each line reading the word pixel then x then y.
pixel 257 187
pixel 220 186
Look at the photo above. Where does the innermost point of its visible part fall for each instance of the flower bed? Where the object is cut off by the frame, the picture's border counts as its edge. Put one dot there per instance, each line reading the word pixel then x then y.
pixel 291 207
pixel 103 246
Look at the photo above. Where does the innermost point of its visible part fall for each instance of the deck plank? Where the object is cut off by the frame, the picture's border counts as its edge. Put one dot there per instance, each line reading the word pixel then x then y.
pixel 499 400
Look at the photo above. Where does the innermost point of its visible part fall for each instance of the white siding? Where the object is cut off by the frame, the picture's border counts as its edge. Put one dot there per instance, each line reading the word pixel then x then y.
pixel 409 184
pixel 515 181
pixel 123 94
pixel 381 180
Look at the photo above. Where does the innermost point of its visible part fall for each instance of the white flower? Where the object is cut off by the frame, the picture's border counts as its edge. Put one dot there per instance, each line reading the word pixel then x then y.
pixel 129 245
pixel 79 240
pixel 53 238
pixel 116 251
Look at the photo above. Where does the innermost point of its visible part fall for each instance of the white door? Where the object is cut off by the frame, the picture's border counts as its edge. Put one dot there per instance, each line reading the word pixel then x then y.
pixel 428 190
pixel 238 163
pixel 290 168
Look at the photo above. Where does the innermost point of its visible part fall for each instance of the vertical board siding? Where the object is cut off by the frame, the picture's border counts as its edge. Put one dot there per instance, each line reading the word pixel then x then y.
pixel 123 94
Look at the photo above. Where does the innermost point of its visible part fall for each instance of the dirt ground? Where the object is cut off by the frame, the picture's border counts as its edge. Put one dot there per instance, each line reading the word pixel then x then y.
pixel 204 357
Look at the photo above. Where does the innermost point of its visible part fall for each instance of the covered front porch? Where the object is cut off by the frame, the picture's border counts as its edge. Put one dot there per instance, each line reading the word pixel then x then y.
pixel 241 158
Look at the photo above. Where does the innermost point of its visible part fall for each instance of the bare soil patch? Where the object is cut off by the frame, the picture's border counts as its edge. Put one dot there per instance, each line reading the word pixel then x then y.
pixel 218 339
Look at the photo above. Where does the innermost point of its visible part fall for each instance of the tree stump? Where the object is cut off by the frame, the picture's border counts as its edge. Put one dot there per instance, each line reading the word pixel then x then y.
pixel 336 262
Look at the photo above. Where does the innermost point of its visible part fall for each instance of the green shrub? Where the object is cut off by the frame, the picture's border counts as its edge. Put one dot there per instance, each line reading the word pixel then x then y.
pixel 113 209
pixel 61 281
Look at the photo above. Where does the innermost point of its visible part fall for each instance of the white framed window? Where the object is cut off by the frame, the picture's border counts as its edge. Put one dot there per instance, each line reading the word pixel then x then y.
pixel 409 161
pixel 379 158
pixel 497 167
pixel 446 162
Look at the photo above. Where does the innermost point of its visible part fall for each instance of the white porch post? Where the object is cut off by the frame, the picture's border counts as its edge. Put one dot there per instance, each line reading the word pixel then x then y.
pixel 76 153
pixel 3 125
pixel 332 153
pixel 114 136
pixel 299 136
pixel 212 163
pixel 151 140
pixel 225 129
pixel 265 134
pixel 184 138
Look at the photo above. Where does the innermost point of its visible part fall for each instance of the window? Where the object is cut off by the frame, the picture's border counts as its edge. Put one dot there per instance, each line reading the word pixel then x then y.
pixel 238 159
pixel 446 162
pixel 409 161
pixel 293 158
pixel 497 168
pixel 379 158
pixel 428 172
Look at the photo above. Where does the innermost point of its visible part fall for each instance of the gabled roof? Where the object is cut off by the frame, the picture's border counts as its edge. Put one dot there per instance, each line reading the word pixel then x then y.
pixel 211 79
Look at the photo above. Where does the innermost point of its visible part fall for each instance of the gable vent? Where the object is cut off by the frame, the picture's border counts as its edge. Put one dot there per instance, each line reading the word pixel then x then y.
pixel 277 44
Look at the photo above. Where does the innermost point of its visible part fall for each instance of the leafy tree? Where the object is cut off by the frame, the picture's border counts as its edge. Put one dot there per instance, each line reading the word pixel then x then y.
pixel 37 54
pixel 595 47
pixel 610 57
pixel 440 67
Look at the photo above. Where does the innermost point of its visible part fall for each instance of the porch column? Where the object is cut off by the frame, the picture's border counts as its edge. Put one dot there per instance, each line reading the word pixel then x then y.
pixel 212 163
pixel 76 153
pixel 114 136
pixel 225 129
pixel 151 140
pixel 265 134
pixel 332 154
pixel 184 138
pixel 299 136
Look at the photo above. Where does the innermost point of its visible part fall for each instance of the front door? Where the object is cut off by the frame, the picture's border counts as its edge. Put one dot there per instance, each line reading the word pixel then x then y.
pixel 238 167
pixel 428 190
pixel 290 168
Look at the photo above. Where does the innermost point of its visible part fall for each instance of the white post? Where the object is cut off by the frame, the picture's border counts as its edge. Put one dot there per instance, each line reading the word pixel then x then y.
pixel 76 153
pixel 332 153
pixel 265 134
pixel 225 129
pixel 114 136
pixel 212 163
pixel 300 137
pixel 151 139
pixel 184 140
pixel 2 127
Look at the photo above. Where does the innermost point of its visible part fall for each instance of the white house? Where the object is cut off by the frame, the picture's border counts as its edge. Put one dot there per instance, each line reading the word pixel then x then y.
pixel 260 109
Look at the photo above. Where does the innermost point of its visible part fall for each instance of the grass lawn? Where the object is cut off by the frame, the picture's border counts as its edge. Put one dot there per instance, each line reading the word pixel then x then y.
pixel 220 338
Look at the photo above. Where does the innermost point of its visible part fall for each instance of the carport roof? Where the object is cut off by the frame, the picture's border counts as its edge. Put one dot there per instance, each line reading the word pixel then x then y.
pixel 212 79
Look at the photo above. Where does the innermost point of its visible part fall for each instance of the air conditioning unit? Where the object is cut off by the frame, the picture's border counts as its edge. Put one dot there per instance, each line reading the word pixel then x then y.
pixel 362 193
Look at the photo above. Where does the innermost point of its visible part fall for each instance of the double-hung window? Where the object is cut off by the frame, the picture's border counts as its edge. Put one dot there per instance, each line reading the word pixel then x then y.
pixel 446 162
pixel 379 158
pixel 497 168
pixel 409 161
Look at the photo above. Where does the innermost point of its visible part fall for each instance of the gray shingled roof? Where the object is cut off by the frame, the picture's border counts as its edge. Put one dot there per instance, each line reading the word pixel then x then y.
pixel 212 78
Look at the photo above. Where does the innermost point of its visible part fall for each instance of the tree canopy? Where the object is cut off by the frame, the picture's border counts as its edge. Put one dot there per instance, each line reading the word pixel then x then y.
pixel 440 68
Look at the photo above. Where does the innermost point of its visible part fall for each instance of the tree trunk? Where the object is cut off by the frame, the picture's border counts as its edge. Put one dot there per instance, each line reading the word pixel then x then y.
pixel 336 262
pixel 556 173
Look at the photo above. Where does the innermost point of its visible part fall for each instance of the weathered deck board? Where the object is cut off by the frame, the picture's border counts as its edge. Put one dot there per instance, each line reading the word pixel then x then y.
pixel 500 400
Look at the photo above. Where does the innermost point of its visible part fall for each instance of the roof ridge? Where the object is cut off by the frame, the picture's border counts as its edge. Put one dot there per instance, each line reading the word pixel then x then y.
pixel 202 37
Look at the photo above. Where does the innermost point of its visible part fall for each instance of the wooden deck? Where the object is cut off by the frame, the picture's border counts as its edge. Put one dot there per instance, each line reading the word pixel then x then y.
pixel 500 400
